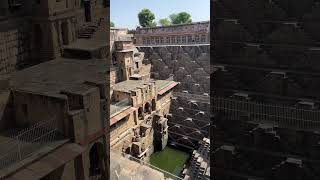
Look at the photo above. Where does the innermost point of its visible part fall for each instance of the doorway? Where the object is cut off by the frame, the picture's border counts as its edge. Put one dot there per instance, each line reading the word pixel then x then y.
pixel 65 33
pixel 87 10
pixel 37 37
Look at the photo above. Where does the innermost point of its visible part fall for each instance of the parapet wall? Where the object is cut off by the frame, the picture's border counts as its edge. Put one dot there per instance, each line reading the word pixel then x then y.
pixel 189 65
pixel 190 110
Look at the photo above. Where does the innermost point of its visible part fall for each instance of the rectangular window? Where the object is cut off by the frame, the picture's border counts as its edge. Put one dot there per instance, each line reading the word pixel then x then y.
pixel 189 38
pixel 183 39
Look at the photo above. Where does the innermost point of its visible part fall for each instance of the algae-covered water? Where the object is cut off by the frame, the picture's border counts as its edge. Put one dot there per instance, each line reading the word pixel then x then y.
pixel 170 160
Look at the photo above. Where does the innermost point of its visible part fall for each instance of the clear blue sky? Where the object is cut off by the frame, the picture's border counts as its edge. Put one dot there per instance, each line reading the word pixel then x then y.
pixel 124 13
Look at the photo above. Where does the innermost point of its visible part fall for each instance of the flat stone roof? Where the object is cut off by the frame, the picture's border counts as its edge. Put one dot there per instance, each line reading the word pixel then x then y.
pixel 126 168
pixel 114 109
pixel 50 159
pixel 127 86
pixel 87 44
pixel 98 40
pixel 161 84
pixel 58 75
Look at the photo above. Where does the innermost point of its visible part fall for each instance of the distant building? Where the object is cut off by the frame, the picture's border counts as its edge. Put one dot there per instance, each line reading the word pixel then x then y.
pixel 192 33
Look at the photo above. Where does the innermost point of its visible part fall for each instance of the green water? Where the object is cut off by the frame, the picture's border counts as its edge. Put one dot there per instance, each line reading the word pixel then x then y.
pixel 170 160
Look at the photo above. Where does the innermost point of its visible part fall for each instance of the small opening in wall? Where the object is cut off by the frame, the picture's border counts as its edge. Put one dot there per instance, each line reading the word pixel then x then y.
pixel 25 110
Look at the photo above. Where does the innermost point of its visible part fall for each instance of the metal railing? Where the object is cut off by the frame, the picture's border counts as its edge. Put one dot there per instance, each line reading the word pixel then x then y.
pixel 115 107
pixel 173 44
pixel 166 174
pixel 24 143
pixel 282 116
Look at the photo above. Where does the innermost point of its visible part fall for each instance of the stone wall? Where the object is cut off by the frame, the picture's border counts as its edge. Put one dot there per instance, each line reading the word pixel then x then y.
pixel 190 65
pixel 30 109
pixel 266 53
pixel 14 45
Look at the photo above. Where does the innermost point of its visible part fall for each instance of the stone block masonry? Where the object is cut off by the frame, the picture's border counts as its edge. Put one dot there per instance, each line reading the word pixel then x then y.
pixel 266 90
pixel 14 46
pixel 189 121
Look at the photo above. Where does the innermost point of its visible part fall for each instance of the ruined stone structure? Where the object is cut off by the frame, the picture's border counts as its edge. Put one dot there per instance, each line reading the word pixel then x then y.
pixel 55 123
pixel 193 33
pixel 189 119
pixel 35 31
pixel 139 105
pixel 198 167
pixel 266 90
pixel 54 120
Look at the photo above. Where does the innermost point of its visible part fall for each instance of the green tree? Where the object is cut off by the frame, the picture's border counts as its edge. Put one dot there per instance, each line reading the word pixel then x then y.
pixel 180 18
pixel 111 24
pixel 165 22
pixel 146 18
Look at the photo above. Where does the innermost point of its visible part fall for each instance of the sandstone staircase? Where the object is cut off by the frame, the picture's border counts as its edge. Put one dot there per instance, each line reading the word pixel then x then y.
pixel 87 32
pixel 199 166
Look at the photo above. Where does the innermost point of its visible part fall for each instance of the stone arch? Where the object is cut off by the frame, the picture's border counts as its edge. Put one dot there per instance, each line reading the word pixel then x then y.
pixel 147 108
pixel 65 33
pixel 96 159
